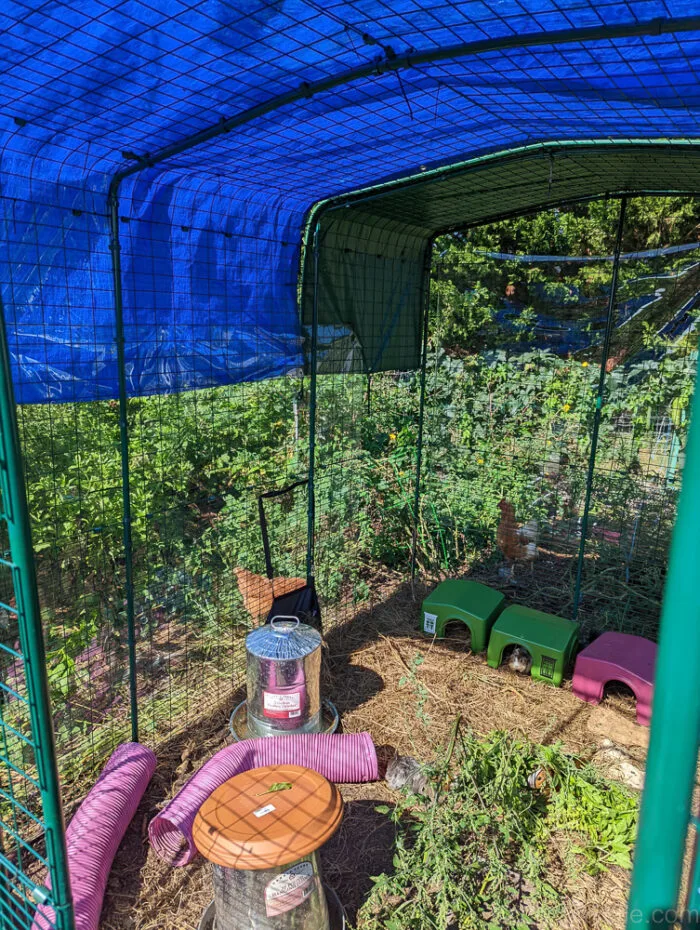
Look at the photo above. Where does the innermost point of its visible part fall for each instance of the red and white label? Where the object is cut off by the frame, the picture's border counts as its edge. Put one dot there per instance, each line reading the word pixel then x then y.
pixel 289 889
pixel 282 706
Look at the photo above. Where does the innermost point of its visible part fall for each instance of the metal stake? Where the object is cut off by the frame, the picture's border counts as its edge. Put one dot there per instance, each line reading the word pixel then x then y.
pixel 673 745
pixel 311 511
pixel 421 415
pixel 124 450
pixel 16 514
pixel 609 327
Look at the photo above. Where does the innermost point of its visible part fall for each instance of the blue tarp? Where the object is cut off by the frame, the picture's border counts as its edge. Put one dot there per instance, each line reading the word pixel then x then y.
pixel 210 239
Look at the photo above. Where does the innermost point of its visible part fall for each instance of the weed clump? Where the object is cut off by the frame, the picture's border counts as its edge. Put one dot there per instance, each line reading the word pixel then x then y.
pixel 488 850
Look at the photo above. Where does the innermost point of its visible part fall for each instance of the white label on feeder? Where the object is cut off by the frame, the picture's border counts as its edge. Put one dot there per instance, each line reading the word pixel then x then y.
pixel 285 705
pixel 429 621
pixel 289 889
pixel 261 811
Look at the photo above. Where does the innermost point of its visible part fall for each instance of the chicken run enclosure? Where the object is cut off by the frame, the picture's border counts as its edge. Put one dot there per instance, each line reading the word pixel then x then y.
pixel 431 346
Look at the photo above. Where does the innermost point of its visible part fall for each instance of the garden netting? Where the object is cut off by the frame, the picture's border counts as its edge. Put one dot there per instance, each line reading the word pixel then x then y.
pixel 511 382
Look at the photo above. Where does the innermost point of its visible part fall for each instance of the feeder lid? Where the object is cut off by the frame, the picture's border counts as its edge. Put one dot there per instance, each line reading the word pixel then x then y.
pixel 283 638
pixel 267 817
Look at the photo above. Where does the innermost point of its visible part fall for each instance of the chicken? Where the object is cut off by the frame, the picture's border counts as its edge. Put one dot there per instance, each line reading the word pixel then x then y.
pixel 258 592
pixel 517 543
pixel 614 360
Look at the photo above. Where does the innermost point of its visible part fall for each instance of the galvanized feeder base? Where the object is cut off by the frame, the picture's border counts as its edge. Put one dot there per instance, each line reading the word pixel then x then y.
pixel 337 919
pixel 238 722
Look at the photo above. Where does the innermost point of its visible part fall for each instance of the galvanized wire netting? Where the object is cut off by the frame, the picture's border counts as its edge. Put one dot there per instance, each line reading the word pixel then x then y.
pixel 513 393
pixel 32 843
pixel 23 856
pixel 507 399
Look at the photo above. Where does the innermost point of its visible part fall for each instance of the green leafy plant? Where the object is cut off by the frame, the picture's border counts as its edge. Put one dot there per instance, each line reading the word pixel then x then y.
pixel 480 853
pixel 411 679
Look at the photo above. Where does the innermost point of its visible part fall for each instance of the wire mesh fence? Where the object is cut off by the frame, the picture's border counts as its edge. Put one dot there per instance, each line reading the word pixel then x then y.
pixel 197 463
pixel 500 417
pixel 513 393
pixel 511 378
pixel 196 460
pixel 23 856
pixel 365 488
pixel 33 866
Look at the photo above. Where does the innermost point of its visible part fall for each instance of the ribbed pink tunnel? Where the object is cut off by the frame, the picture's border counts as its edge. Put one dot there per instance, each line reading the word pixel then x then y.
pixel 339 757
pixel 95 832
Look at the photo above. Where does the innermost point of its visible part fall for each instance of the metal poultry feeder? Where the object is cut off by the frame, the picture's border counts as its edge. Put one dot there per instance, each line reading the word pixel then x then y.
pixel 262 831
pixel 283 660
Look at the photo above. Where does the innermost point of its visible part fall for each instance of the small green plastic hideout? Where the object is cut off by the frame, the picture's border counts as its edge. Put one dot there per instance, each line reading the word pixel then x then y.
pixel 475 605
pixel 550 640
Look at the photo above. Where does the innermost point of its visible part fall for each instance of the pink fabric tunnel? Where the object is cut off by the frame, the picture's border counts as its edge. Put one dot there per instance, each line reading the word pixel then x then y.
pixel 95 832
pixel 339 757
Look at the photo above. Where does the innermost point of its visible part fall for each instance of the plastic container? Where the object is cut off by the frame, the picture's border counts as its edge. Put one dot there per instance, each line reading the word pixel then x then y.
pixel 336 913
pixel 262 831
pixel 283 661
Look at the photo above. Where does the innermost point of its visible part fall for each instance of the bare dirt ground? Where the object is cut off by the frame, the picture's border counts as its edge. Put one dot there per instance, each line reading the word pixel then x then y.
pixel 368 657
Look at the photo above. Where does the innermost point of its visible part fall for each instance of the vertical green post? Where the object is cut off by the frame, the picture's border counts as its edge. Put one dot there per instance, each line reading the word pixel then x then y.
pixel 673 746
pixel 14 498
pixel 311 508
pixel 597 416
pixel 124 449
pixel 421 414
pixel 693 896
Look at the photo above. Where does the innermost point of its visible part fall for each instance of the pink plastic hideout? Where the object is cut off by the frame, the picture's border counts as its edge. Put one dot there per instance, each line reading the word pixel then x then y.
pixel 617 657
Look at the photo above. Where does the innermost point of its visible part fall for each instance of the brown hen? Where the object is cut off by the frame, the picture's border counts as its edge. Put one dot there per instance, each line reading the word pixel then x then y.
pixel 516 542
pixel 258 592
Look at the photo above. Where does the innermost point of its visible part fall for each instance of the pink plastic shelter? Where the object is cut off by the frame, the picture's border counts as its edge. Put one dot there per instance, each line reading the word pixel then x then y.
pixel 617 657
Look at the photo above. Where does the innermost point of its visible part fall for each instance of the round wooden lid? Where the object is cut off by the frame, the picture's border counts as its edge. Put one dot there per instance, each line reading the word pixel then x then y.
pixel 267 817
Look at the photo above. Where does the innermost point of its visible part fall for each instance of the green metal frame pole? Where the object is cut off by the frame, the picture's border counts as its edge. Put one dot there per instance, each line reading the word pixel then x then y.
pixel 311 509
pixel 673 746
pixel 421 413
pixel 693 895
pixel 124 450
pixel 393 62
pixel 609 327
pixel 14 497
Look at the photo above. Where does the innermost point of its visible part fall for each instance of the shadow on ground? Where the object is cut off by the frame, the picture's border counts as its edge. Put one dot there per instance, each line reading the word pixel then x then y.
pixel 362 848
